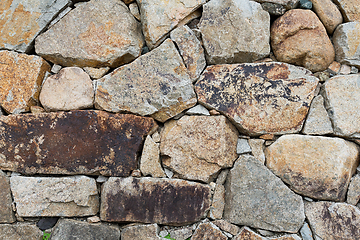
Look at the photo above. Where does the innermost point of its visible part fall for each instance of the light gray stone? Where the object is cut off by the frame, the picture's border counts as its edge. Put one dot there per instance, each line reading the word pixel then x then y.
pixel 150 159
pixel 306 233
pixel 257 149
pixel 218 203
pixel 134 9
pixel 222 176
pixel 287 237
pixel 198 110
pixel 141 232
pixel 353 194
pixel 20 231
pixel 56 68
pixel 182 233
pixel 6 212
pixel 243 146
pixel 60 16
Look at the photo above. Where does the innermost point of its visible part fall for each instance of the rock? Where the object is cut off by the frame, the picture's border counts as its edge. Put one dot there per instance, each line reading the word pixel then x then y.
pixel 21 76
pixel 255 197
pixel 70 89
pixel 306 233
pixel 197 147
pixel 156 137
pixel 328 13
pixel 292 158
pixel 6 212
pixel 168 173
pixel 198 110
pixel 345 69
pixel 222 176
pixel 322 76
pixel 77 142
pixel 242 30
pixel 107 37
pixel 273 8
pixel 305 4
pixel 93 219
pixel 247 234
pixel 60 16
pixel 150 159
pixel 143 232
pixel 20 231
pixel 218 202
pixel 47 223
pixel 96 73
pixel 298 37
pixel 343 91
pixel 287 237
pixel 181 234
pixel 190 49
pixel 226 226
pixel 37 109
pixel 56 68
pixel 154 200
pixel 346 40
pixel 334 68
pixel 350 9
pixel 257 149
pixel 333 221
pixel 22 21
pixel 208 231
pixel 317 121
pixel 72 229
pixel 155 84
pixel 287 4
pixel 51 196
pixel 134 9
pixel 159 17
pixel 243 146
pixel 353 194
pixel 259 98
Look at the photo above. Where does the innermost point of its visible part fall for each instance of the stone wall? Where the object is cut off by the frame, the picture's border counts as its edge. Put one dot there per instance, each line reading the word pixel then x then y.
pixel 180 119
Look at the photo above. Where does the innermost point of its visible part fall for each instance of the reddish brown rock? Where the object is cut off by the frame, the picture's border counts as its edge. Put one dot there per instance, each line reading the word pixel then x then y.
pixel 208 231
pixel 6 213
pixel 78 142
pixel 153 200
pixel 247 234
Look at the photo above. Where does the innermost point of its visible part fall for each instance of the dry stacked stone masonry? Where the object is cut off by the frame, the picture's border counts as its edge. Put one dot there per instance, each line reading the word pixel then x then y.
pixel 180 119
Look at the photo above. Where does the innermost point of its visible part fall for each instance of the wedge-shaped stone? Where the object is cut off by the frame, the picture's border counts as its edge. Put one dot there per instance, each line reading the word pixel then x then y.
pixel 21 76
pixel 260 98
pixel 22 20
pixel 99 33
pixel 208 231
pixel 50 196
pixel 197 147
pixel 154 200
pixel 353 194
pixel 155 84
pixel 247 234
pixel 317 167
pixel 77 142
pixel 6 212
pixel 255 197
pixel 20 231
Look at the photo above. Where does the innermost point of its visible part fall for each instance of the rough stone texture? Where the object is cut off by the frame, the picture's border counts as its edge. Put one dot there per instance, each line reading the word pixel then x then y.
pixel 72 229
pixel 77 142
pixel 288 4
pixel 22 20
pixel 287 237
pixel 6 213
pixel 247 234
pixel 155 84
pixel 20 231
pixel 50 196
pixel 243 146
pixel 347 43
pixel 21 76
pixel 273 8
pixel 317 121
pixel 255 197
pixel 341 94
pixel 292 158
pixel 242 30
pixel 259 98
pixel 218 202
pixel 333 221
pixel 227 227
pixel 350 9
pixel 107 37
pixel 306 233
pixel 96 73
pixel 299 37
pixel 159 17
pixel 197 147
pixel 198 110
pixel 181 233
pixel 150 159
pixel 208 231
pixel 328 13
pixel 143 232
pixel 257 149
pixel 134 9
pixel 153 200
pixel 70 89
pixel 353 194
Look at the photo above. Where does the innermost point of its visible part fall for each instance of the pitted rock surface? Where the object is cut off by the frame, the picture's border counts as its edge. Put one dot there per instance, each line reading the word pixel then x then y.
pixel 259 98
pixel 77 142
pixel 6 212
pixel 20 231
pixel 154 200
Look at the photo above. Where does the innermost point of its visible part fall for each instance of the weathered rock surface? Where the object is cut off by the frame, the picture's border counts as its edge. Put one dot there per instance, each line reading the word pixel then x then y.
pixel 198 110
pixel 72 229
pixel 155 84
pixel 6 213
pixel 143 232
pixel 255 197
pixel 287 237
pixel 70 89
pixel 328 13
pixel 50 196
pixel 259 98
pixel 107 37
pixel 96 73
pixel 218 202
pixel 306 232
pixel 293 157
pixel 20 231
pixel 159 17
pixel 298 37
pixel 353 194
pixel 77 142
pixel 181 233
pixel 350 9
pixel 257 149
pixel 243 146
pixel 21 76
pixel 197 147
pixel 341 94
pixel 242 30
pixel 347 43
pixel 208 231
pixel 154 200
pixel 287 4
pixel 21 21
pixel 150 159
pixel 333 221
pixel 227 227
pixel 247 234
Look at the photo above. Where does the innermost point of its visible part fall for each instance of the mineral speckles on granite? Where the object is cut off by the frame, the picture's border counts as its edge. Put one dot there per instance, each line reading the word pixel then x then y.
pixel 6 212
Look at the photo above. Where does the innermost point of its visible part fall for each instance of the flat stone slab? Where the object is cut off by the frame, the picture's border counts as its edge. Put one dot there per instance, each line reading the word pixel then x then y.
pixel 6 212
pixel 77 142
pixel 259 98
pixel 20 231
pixel 153 200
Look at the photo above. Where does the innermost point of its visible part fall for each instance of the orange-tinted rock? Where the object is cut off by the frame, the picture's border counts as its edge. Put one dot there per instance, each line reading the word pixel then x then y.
pixel 350 9
pixel 21 76
pixel 78 142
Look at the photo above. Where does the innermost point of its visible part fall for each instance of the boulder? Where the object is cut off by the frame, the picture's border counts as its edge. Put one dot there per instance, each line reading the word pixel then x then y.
pixel 20 231
pixel 6 212
pixel 350 9
pixel 328 13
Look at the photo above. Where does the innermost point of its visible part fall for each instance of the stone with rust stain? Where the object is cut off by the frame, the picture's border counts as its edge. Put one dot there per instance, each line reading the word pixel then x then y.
pixel 350 9
pixel 314 166
pixel 98 33
pixel 155 84
pixel 20 231
pixel 154 200
pixel 208 231
pixel 260 98
pixel 333 221
pixel 6 213
pixel 21 21
pixel 77 142
pixel 247 234
pixel 21 76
